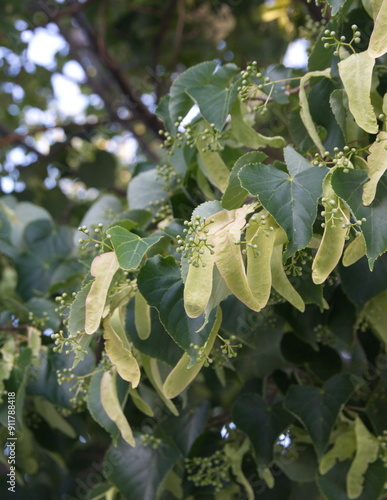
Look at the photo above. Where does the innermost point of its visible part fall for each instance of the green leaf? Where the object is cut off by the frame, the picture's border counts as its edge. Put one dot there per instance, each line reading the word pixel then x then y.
pixel 49 248
pixel 100 172
pixel 319 100
pixel 94 402
pixel 336 5
pixel 198 285
pixel 197 76
pixel 142 316
pixel 77 314
pixel 376 408
pixel 336 102
pixel 367 451
pixel 103 269
pixel 185 428
pixel 50 241
pixel 138 472
pixel 373 282
pixel 263 423
pixel 184 372
pixel 160 283
pixel 218 293
pixel 235 194
pixel 290 199
pixel 102 211
pixel 102 491
pixel 214 101
pixel 377 165
pixel 44 311
pixel 43 379
pixel 152 371
pixel 325 362
pixel 376 313
pixel 280 281
pixel 235 456
pixel 378 41
pixel 159 344
pixel 305 112
pixel 162 110
pixel 112 407
pixel 278 74
pixel 28 459
pixel 140 403
pixel 49 413
pixel 343 448
pixel 130 248
pixel 23 214
pixel 332 484
pixel 118 348
pixel 320 57
pixel 356 74
pixel 213 165
pixel 318 409
pixel 349 186
pixel 259 257
pixel 145 189
pixel 224 230
pixel 246 135
pixel 335 232
pixel 354 251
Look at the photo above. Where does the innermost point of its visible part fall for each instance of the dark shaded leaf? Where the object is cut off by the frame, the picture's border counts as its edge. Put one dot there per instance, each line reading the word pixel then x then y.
pixel 318 409
pixel 138 472
pixel 159 281
pixel 348 184
pixel 263 423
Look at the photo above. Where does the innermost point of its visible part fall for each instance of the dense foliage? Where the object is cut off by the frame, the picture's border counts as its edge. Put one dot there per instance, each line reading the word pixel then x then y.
pixel 213 325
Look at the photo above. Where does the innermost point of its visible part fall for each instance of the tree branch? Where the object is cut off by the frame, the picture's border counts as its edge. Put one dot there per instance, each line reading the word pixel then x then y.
pixel 137 107
pixel 66 11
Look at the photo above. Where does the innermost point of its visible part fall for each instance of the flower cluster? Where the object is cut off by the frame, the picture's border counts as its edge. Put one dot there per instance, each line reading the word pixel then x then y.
pixel 255 86
pixel 311 28
pixel 209 471
pixel 334 213
pixel 383 447
pixel 150 440
pixel 341 158
pixel 170 141
pixel 168 174
pixel 196 242
pixel 331 40
pixel 71 343
pixel 209 134
pixel 260 219
pixel 79 387
pixel 161 209
pixel 324 335
pixel 297 261
pixel 98 240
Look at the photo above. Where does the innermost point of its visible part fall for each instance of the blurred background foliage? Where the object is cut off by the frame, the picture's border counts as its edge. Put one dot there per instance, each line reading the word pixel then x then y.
pixel 108 64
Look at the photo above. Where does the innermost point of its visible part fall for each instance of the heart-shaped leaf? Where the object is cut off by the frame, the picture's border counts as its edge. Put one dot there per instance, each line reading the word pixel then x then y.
pixel 318 408
pixel 235 194
pixel 138 472
pixel 263 423
pixel 291 198
pixel 130 248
